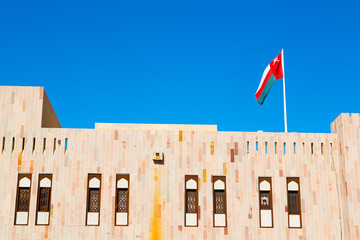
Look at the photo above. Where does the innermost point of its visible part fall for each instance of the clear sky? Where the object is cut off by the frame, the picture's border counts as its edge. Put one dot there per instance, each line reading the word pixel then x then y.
pixel 185 62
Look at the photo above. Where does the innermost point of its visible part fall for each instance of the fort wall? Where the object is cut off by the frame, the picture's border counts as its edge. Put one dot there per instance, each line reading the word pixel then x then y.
pixel 326 164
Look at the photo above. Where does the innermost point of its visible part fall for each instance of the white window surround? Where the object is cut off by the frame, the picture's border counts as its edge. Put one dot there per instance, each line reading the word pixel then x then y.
pixel 191 219
pixel 92 218
pixel 43 218
pixel 220 220
pixel 24 182
pixel 94 183
pixel 264 186
pixel 219 185
pixel 191 184
pixel 293 186
pixel 265 218
pixel 45 182
pixel 22 218
pixel 294 221
pixel 122 183
pixel 121 218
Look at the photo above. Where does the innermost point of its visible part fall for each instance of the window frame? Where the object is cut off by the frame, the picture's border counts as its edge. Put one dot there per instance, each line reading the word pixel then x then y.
pixel 118 177
pixel 196 179
pixel 260 180
pixel 91 176
pixel 21 176
pixel 296 180
pixel 42 176
pixel 223 179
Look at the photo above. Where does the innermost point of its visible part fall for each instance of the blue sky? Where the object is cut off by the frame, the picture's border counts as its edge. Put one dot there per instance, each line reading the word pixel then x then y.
pixel 185 62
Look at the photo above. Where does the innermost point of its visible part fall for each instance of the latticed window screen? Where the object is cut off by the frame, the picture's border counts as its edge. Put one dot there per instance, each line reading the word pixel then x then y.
pixel 191 201
pixel 93 200
pixel 122 200
pixel 44 199
pixel 293 202
pixel 219 201
pixel 265 200
pixel 24 196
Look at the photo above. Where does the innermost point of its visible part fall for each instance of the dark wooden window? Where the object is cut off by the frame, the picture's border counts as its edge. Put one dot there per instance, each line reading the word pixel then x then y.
pixel 122 200
pixel 191 200
pixel 22 206
pixel 24 199
pixel 93 200
pixel 43 199
pixel 122 190
pixel 265 202
pixel 294 202
pixel 219 201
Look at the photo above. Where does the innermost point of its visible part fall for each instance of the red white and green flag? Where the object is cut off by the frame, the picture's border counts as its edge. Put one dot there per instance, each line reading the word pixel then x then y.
pixel 274 71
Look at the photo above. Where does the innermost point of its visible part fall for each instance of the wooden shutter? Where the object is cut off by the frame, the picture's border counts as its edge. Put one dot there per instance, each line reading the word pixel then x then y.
pixel 122 190
pixel 43 199
pixel 93 200
pixel 219 201
pixel 265 202
pixel 191 200
pixel 23 199
pixel 294 202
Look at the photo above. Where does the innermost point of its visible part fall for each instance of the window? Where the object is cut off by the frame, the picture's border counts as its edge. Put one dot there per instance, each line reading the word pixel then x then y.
pixel 122 200
pixel 13 145
pixel 3 145
pixel 43 199
pixel 23 199
pixel 34 145
pixel 219 203
pixel 294 202
pixel 66 145
pixel 265 202
pixel 54 146
pixel 191 200
pixel 93 200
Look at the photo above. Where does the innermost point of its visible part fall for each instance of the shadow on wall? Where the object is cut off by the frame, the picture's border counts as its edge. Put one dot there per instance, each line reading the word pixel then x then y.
pixel 49 118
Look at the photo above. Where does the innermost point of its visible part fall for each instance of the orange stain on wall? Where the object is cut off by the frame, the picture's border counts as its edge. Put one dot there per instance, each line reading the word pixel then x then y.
pixel 155 227
pixel 180 136
pixel 204 175
pixel 156 174
pixel 19 159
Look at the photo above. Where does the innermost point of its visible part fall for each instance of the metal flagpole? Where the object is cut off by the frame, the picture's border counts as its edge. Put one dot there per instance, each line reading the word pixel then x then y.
pixel 282 62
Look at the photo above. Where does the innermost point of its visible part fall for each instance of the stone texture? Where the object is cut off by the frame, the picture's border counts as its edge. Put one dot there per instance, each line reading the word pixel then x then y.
pixel 329 179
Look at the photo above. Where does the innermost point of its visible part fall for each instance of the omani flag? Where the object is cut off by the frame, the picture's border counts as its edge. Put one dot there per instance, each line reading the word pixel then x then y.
pixel 274 71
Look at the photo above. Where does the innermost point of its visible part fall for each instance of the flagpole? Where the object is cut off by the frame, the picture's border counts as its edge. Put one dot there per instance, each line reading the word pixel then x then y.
pixel 285 119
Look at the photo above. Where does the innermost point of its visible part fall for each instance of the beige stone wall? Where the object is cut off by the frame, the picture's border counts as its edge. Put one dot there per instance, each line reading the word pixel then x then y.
pixel 166 127
pixel 157 190
pixel 21 107
pixel 348 129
